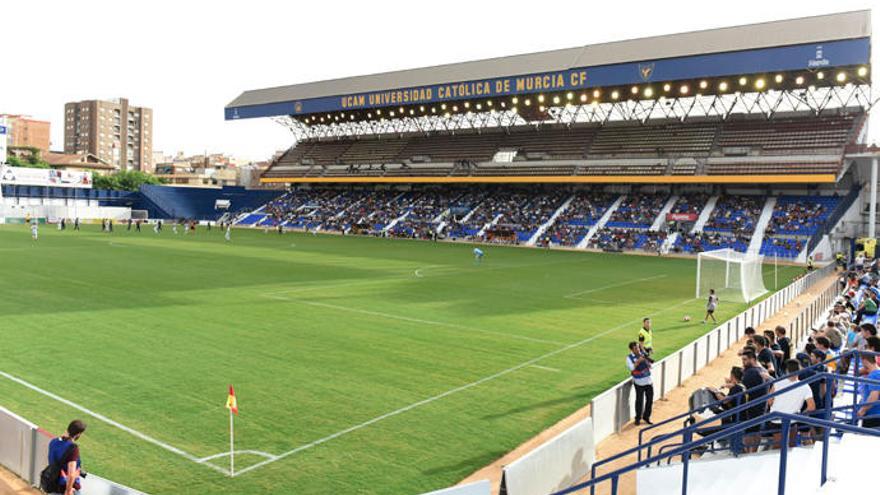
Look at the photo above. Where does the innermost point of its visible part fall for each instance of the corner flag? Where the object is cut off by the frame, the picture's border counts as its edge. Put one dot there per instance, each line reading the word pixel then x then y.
pixel 231 403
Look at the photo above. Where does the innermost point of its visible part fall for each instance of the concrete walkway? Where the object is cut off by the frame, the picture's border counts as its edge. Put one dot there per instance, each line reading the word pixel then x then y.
pixel 675 403
pixel 11 484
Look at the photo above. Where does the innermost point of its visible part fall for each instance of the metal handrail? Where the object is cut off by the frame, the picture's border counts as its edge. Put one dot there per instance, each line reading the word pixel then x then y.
pixel 736 410
pixel 718 403
pixel 690 443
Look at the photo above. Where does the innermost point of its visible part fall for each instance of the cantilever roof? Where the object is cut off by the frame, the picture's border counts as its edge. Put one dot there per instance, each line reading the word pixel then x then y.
pixel 753 37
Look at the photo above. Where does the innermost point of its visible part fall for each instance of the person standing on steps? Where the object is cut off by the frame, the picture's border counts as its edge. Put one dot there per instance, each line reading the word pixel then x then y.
pixel 639 366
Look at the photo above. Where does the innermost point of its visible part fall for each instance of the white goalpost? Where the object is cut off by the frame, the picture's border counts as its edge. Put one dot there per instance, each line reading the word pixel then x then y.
pixel 732 274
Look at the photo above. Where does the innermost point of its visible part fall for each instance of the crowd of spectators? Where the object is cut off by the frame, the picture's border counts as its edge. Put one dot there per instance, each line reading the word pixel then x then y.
pixel 423 217
pixel 736 214
pixel 690 203
pixel 638 211
pixel 525 214
pixel 800 215
pixel 774 368
pixel 782 247
pixel 582 213
pixel 617 239
pixel 710 241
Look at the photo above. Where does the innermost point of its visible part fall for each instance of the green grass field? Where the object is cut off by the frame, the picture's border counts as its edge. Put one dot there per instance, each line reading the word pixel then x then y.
pixel 322 336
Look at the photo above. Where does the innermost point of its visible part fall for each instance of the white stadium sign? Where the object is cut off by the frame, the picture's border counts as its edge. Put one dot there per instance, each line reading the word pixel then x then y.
pixel 20 176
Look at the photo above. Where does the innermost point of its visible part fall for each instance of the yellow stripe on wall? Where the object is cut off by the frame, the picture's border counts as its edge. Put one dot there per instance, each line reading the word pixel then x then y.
pixel 557 179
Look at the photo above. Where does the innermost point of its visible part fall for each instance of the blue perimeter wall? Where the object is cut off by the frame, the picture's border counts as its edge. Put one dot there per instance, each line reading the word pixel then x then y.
pixel 164 202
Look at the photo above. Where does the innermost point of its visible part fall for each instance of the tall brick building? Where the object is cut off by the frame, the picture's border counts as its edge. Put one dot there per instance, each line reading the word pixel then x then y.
pixel 27 132
pixel 114 131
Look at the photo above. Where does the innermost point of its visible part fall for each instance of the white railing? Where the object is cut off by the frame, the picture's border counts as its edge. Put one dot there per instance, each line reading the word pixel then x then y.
pixel 614 408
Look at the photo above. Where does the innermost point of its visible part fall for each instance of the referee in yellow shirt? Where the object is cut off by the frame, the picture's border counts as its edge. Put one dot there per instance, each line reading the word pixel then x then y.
pixel 646 337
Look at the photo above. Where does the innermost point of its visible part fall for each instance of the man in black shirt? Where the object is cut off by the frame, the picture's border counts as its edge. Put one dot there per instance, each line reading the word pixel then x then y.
pixel 753 380
pixel 764 354
pixel 733 398
pixel 784 343
pixel 817 356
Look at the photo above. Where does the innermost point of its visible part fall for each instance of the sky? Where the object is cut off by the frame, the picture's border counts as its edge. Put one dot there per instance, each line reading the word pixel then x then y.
pixel 186 59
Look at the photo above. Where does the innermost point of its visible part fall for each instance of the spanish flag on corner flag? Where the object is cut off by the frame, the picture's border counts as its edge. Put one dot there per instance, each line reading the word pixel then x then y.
pixel 231 403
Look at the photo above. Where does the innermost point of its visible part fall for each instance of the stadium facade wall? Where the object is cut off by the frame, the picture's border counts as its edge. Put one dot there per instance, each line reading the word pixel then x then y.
pixel 24 449
pixel 614 408
pixel 163 202
pixel 198 203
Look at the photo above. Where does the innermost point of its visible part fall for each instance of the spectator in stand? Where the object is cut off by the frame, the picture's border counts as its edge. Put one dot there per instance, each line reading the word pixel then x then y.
pixel 754 377
pixel 795 398
pixel 784 343
pixel 867 330
pixel 639 366
pixel 824 345
pixel 872 344
pixel 764 354
pixel 870 396
pixel 816 357
pixel 733 397
pixel 750 334
pixel 832 332
pixel 770 336
pixel 868 306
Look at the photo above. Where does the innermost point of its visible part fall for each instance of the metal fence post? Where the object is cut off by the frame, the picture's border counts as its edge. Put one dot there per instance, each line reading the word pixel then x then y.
pixel 662 378
pixel 783 456
pixel 680 359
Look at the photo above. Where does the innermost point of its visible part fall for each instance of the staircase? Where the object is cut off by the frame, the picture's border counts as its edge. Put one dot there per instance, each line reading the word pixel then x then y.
pixel 761 226
pixel 727 475
pixel 471 213
pixel 489 225
pixel 669 242
pixel 602 221
pixel 394 222
pixel 662 215
pixel 543 228
pixel 705 214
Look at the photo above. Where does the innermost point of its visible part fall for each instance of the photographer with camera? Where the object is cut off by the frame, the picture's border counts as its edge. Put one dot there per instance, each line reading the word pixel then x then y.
pixel 639 364
pixel 64 473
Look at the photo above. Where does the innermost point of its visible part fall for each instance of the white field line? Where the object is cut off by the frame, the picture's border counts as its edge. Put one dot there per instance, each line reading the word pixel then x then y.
pixel 419 320
pixel 105 419
pixel 545 368
pixel 226 454
pixel 456 390
pixel 574 295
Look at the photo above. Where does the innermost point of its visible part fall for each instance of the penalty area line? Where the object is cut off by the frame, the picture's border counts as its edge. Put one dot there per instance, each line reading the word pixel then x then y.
pixel 111 422
pixel 453 391
pixel 574 295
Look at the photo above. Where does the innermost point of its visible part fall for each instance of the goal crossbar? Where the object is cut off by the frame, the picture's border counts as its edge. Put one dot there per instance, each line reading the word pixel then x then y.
pixel 729 272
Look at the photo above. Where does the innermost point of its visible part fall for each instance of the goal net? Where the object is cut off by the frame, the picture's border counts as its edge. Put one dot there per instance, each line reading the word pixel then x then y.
pixel 733 275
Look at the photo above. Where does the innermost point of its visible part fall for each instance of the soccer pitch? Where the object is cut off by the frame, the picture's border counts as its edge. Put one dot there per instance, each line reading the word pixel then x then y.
pixel 361 365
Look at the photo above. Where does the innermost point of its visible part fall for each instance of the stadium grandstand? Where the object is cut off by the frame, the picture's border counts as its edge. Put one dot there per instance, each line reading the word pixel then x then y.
pixel 749 139
pixel 413 348
pixel 737 138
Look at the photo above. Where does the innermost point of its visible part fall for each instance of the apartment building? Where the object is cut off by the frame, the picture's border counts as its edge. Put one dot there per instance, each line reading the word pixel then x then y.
pixel 115 131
